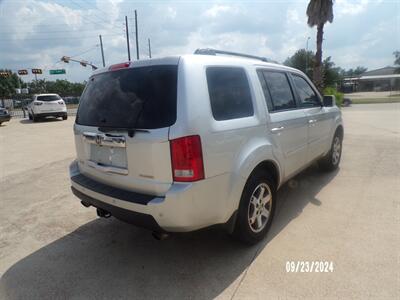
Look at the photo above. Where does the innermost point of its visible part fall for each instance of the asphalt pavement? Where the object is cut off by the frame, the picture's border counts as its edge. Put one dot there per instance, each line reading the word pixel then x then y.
pixel 53 248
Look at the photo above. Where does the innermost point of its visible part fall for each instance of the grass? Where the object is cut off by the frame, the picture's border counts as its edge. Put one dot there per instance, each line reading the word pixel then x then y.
pixel 376 100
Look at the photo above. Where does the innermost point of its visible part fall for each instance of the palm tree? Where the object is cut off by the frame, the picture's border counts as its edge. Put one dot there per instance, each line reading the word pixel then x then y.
pixel 319 12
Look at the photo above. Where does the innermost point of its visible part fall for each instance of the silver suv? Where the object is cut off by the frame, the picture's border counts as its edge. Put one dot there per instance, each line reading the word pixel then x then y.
pixel 181 143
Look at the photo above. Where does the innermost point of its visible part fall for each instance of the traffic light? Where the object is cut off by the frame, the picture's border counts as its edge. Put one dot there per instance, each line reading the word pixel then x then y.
pixel 65 59
pixel 5 73
pixel 36 71
pixel 22 72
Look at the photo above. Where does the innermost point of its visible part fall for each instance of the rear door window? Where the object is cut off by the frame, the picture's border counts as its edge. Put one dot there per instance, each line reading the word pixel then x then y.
pixel 143 98
pixel 48 98
pixel 307 96
pixel 280 91
pixel 229 92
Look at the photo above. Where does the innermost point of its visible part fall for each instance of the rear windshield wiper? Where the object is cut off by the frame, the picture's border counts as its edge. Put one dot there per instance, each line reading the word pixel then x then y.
pixel 131 131
pixel 139 104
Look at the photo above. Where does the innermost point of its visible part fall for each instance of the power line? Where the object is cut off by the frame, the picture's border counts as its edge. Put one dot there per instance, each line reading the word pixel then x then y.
pixel 80 6
pixel 58 38
pixel 86 51
pixel 57 31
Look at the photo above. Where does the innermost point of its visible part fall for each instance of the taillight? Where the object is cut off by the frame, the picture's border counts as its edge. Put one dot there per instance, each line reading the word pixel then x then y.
pixel 119 66
pixel 37 103
pixel 61 102
pixel 187 159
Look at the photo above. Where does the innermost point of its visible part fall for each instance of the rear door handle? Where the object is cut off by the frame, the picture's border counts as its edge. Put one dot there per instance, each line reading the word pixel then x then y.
pixel 277 129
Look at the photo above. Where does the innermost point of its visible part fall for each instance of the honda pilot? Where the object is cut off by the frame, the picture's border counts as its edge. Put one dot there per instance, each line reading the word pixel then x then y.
pixel 181 143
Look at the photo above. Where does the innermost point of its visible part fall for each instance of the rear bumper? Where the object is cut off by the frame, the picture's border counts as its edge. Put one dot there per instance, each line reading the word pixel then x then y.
pixel 5 118
pixel 51 114
pixel 185 207
pixel 139 219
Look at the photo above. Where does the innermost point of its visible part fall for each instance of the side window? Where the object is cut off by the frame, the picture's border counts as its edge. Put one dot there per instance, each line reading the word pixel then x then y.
pixel 229 92
pixel 265 91
pixel 306 94
pixel 280 90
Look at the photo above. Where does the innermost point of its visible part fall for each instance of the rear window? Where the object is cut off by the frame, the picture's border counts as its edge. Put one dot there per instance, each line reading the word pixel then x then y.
pixel 229 93
pixel 143 98
pixel 48 98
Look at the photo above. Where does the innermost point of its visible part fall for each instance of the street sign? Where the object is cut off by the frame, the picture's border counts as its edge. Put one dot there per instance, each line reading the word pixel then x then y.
pixel 57 72
pixel 36 71
pixel 22 72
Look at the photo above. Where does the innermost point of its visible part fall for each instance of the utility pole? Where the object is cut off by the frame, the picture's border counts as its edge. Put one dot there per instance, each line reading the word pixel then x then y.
pixel 148 40
pixel 137 39
pixel 307 55
pixel 102 51
pixel 127 38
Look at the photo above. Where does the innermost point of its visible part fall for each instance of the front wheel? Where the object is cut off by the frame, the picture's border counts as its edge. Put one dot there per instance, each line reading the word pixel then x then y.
pixel 64 117
pixel 256 208
pixel 331 160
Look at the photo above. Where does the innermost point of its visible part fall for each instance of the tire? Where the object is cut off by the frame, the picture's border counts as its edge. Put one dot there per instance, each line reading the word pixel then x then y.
pixel 331 160
pixel 34 119
pixel 30 116
pixel 64 117
pixel 246 230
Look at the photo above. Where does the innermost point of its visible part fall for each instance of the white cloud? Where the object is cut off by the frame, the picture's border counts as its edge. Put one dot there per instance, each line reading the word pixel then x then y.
pixel 365 34
pixel 350 7
pixel 217 10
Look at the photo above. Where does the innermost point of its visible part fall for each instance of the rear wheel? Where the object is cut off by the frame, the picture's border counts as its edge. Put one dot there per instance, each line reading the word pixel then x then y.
pixel 331 160
pixel 256 209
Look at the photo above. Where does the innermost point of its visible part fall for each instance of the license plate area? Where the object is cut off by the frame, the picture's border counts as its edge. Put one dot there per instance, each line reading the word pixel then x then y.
pixel 108 156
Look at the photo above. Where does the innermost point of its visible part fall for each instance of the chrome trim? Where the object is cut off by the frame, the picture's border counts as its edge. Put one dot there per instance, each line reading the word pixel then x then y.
pixel 277 129
pixel 105 139
pixel 107 169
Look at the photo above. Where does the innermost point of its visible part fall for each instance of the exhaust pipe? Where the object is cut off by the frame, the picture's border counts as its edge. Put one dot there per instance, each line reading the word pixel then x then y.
pixel 160 236
pixel 85 204
pixel 103 213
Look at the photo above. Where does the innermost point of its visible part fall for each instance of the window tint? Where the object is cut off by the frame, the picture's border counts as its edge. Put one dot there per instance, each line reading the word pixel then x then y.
pixel 130 98
pixel 229 93
pixel 48 98
pixel 265 90
pixel 281 93
pixel 306 94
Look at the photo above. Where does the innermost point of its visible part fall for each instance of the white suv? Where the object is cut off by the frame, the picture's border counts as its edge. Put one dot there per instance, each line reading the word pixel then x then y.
pixel 47 105
pixel 181 143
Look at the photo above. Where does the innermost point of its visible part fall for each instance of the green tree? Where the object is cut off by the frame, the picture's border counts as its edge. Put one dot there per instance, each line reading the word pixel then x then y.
pixel 330 74
pixel 397 60
pixel 319 12
pixel 301 60
pixel 8 84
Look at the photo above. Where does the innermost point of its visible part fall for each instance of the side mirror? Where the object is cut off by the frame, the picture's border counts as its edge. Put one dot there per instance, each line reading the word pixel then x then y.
pixel 329 100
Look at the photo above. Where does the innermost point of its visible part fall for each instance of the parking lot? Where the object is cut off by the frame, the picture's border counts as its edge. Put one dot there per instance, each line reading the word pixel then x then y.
pixel 53 247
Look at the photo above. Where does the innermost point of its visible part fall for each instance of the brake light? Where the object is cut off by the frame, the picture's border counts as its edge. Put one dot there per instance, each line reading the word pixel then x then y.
pixel 37 103
pixel 119 66
pixel 61 102
pixel 187 159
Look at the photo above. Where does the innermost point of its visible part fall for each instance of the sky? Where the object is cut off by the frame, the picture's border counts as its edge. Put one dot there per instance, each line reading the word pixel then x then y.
pixel 37 33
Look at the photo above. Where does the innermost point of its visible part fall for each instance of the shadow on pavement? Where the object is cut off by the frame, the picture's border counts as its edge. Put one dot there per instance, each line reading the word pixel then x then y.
pixel 107 259
pixel 41 120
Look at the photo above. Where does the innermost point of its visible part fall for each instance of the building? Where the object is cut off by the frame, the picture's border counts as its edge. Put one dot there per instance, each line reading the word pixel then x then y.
pixel 383 79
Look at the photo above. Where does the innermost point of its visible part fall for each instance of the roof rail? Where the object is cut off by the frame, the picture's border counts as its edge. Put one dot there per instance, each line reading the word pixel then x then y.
pixel 210 51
